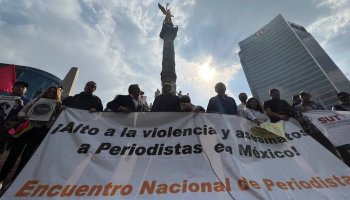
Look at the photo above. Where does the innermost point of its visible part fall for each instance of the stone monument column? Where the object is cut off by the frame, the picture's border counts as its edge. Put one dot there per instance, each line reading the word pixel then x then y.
pixel 168 34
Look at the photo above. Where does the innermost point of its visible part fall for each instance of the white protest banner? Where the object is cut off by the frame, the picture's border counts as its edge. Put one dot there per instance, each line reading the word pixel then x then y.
pixel 7 103
pixel 335 125
pixel 176 156
pixel 42 110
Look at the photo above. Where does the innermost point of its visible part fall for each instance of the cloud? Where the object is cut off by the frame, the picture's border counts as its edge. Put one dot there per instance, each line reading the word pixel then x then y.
pixel 333 4
pixel 116 43
pixel 106 45
pixel 336 23
pixel 331 30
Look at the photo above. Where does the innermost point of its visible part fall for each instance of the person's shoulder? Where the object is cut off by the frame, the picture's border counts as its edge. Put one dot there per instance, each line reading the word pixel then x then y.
pixel 268 101
pixel 231 98
pixel 77 95
pixel 95 96
pixel 176 97
pixel 124 96
pixel 338 107
pixel 214 98
pixel 284 101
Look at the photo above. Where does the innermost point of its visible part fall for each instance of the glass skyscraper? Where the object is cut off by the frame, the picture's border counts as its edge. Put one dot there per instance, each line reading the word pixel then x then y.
pixel 285 56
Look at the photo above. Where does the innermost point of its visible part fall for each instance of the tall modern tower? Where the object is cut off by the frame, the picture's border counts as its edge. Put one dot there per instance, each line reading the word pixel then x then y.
pixel 168 34
pixel 285 56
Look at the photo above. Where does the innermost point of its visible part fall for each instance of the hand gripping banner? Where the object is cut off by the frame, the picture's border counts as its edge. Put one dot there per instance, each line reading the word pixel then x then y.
pixel 176 156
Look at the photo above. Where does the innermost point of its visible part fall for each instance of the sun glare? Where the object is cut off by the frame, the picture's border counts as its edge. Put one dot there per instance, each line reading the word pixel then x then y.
pixel 206 73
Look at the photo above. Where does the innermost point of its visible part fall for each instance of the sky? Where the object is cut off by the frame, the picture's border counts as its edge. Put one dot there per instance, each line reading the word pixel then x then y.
pixel 116 42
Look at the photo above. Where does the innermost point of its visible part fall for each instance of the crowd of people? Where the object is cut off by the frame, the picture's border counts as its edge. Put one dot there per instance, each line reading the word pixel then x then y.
pixel 272 110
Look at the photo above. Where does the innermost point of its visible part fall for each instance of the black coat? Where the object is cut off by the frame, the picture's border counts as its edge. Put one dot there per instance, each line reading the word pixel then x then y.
pixel 83 101
pixel 166 103
pixel 125 101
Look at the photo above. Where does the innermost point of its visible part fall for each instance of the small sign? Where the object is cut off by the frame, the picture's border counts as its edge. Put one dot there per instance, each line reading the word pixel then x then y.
pixel 42 110
pixel 7 103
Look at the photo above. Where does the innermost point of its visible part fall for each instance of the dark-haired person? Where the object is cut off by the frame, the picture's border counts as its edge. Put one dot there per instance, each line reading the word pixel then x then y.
pixel 222 103
pixel 185 104
pixel 296 100
pixel 85 100
pixel 343 102
pixel 19 90
pixel 128 103
pixel 240 108
pixel 277 109
pixel 26 144
pixel 166 102
pixel 307 104
pixel 253 111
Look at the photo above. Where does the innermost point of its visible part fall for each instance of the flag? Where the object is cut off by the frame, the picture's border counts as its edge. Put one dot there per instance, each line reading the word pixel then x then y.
pixel 7 78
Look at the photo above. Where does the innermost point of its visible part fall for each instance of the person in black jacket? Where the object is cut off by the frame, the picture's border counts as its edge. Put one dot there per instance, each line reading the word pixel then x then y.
pixel 85 100
pixel 166 102
pixel 127 103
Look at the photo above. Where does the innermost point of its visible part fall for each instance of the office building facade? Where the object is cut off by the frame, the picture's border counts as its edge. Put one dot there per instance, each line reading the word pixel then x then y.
pixel 285 56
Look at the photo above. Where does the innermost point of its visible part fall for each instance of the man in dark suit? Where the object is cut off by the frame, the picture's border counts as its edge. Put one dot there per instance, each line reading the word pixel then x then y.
pixel 127 103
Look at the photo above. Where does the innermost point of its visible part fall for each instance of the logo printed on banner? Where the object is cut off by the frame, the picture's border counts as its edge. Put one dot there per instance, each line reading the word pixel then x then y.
pixel 333 124
pixel 42 109
pixel 331 119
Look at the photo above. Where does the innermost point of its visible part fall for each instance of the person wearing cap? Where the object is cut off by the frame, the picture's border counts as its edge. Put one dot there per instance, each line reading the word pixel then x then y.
pixel 306 104
pixel 166 102
pixel 343 102
pixel 25 145
pixel 128 103
pixel 85 100
pixel 19 90
pixel 222 103
pixel 277 109
pixel 296 100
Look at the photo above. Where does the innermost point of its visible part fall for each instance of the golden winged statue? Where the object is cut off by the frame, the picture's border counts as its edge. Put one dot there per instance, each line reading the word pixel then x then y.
pixel 167 13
